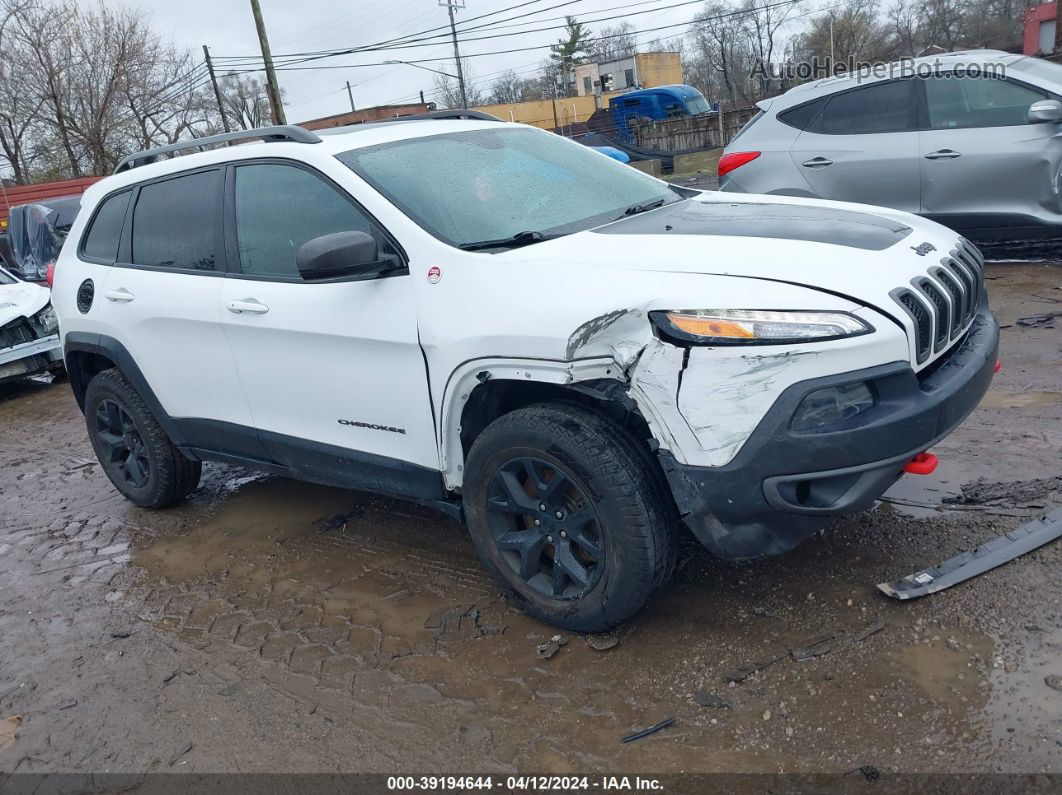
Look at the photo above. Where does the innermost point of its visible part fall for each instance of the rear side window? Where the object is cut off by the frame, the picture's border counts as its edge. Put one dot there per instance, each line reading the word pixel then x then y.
pixel 175 223
pixel 879 108
pixel 802 116
pixel 105 230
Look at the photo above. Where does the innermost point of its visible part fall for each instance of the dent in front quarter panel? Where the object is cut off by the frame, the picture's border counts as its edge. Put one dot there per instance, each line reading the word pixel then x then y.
pixel 726 392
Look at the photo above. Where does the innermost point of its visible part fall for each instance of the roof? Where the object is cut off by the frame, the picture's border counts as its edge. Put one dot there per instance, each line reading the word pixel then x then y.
pixel 894 69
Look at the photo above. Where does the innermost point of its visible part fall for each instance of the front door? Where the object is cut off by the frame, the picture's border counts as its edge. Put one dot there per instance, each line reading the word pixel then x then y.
pixel 333 371
pixel 863 147
pixel 983 164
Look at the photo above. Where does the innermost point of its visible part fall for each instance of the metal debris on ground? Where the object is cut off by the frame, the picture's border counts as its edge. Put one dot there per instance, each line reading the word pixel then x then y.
pixel 703 698
pixel 630 738
pixel 460 621
pixel 1054 681
pixel 183 751
pixel 1031 535
pixel 603 642
pixel 1014 494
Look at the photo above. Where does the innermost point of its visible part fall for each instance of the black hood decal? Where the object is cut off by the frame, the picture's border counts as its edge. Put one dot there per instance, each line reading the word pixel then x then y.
pixel 778 221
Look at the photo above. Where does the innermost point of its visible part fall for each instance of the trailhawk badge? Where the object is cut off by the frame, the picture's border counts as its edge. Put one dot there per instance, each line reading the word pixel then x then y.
pixel 434 274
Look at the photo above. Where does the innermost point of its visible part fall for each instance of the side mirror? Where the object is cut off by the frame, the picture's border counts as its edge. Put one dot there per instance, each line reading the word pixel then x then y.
pixel 1045 110
pixel 339 254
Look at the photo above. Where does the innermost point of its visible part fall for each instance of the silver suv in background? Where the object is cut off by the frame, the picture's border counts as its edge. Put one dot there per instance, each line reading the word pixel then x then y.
pixel 968 139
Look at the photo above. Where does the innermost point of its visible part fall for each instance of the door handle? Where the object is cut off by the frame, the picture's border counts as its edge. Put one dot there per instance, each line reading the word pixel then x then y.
pixel 943 154
pixel 120 295
pixel 817 162
pixel 247 306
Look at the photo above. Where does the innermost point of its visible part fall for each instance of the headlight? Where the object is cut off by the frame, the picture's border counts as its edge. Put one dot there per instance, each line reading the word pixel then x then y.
pixel 756 326
pixel 46 321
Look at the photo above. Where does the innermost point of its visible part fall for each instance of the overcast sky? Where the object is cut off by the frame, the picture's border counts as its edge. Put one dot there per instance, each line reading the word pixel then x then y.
pixel 309 25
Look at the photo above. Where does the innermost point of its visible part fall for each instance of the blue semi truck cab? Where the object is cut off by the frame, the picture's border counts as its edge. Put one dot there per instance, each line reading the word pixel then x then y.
pixel 662 102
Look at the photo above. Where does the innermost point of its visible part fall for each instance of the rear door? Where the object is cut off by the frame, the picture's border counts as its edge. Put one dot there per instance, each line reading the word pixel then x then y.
pixel 863 147
pixel 982 163
pixel 160 301
pixel 333 370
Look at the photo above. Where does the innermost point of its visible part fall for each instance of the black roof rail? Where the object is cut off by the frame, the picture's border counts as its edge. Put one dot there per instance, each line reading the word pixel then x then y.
pixel 453 113
pixel 286 132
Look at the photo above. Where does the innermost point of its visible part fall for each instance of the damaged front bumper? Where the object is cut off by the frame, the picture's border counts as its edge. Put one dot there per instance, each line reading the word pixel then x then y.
pixel 30 357
pixel 784 485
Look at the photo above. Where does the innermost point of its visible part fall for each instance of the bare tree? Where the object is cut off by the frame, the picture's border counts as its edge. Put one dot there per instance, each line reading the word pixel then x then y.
pixel 245 100
pixel 613 42
pixel 510 87
pixel 447 91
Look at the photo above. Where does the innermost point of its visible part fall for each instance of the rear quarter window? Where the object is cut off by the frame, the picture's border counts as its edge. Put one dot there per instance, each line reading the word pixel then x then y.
pixel 105 228
pixel 802 116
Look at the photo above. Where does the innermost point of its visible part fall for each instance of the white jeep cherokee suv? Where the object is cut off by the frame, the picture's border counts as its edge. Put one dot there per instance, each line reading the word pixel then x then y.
pixel 574 357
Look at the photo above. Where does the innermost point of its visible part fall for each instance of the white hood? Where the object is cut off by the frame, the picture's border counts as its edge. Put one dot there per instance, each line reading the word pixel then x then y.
pixel 21 299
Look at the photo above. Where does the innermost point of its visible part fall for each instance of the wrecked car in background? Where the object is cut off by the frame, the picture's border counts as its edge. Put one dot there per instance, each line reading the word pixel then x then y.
pixel 572 356
pixel 29 333
pixel 36 233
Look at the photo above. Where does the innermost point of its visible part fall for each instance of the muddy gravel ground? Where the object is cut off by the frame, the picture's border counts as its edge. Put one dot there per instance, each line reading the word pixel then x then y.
pixel 269 625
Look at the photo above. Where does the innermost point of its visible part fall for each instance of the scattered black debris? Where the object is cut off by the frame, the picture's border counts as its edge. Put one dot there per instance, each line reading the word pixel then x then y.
pixel 1054 681
pixel 68 704
pixel 121 635
pixel 748 669
pixel 835 640
pixel 184 751
pixel 630 738
pixel 763 612
pixel 337 522
pixel 545 651
pixel 1014 494
pixel 1039 321
pixel 869 772
pixel 703 698
pixel 170 678
pixel 603 642
pixel 1034 628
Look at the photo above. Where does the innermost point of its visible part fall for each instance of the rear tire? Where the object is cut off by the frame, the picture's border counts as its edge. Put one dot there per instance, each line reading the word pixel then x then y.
pixel 134 451
pixel 569 515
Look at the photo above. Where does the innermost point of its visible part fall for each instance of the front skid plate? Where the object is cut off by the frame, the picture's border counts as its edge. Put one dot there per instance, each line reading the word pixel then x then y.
pixel 989 555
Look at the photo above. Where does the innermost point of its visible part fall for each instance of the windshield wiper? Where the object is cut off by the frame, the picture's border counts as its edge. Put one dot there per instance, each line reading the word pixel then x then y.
pixel 513 241
pixel 634 209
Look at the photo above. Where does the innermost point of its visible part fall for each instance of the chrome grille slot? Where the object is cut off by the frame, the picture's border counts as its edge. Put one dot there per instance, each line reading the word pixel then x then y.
pixel 958 297
pixel 941 311
pixel 922 319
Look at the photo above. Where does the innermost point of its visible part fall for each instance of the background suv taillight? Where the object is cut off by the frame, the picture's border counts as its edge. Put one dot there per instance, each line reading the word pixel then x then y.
pixel 732 160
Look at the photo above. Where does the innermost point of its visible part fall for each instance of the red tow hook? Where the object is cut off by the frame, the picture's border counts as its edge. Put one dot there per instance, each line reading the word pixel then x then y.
pixel 922 464
pixel 999 366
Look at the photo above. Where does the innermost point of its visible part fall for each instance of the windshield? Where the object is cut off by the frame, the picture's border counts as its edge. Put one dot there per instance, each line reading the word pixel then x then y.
pixel 697 105
pixel 484 185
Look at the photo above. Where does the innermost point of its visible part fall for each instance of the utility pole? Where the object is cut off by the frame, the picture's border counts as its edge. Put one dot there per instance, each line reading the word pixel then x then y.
pixel 450 6
pixel 272 87
pixel 217 91
pixel 350 94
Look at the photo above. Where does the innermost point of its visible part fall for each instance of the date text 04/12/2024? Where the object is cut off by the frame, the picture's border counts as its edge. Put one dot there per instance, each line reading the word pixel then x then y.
pixel 529 783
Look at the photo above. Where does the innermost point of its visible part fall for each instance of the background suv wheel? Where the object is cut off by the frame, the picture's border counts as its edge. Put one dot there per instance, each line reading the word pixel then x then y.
pixel 135 452
pixel 568 514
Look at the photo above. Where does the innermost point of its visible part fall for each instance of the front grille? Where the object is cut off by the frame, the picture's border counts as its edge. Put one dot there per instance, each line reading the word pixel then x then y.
pixel 16 332
pixel 943 303
pixel 941 312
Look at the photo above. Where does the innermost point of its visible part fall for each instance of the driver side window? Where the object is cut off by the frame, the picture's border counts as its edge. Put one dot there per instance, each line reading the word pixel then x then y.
pixel 964 102
pixel 280 207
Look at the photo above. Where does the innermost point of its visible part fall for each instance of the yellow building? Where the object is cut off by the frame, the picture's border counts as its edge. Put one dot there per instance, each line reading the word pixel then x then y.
pixel 595 84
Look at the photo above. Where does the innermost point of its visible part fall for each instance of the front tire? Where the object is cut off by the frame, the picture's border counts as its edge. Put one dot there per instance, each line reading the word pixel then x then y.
pixel 569 516
pixel 134 451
